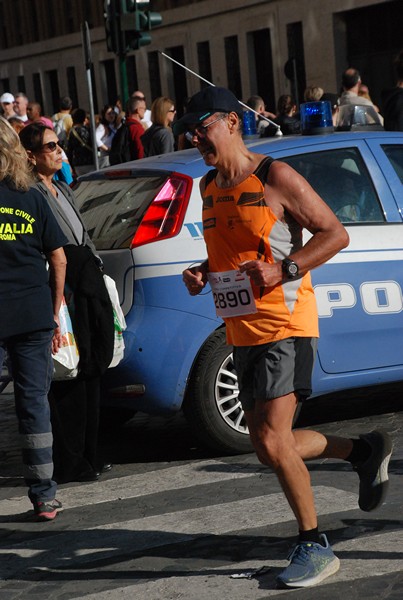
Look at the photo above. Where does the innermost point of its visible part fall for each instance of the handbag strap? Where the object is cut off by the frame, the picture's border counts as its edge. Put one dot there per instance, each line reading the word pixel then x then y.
pixel 80 139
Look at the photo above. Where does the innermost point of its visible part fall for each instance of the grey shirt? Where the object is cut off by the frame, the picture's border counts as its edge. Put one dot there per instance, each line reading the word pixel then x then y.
pixel 67 215
pixel 351 98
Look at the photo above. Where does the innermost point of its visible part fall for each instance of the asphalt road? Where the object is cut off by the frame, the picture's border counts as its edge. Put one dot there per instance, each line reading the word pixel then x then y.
pixel 173 521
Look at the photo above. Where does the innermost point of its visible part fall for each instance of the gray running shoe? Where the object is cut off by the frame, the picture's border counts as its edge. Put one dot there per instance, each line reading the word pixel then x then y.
pixel 373 472
pixel 310 564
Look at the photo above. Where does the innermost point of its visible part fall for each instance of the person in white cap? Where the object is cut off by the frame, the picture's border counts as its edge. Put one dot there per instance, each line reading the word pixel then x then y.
pixel 7 104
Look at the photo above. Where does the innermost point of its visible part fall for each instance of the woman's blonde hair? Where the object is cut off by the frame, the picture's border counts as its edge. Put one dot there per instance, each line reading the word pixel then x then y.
pixel 14 165
pixel 313 93
pixel 159 110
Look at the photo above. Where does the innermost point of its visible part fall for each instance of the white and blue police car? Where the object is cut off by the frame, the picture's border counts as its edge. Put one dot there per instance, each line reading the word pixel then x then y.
pixel 145 220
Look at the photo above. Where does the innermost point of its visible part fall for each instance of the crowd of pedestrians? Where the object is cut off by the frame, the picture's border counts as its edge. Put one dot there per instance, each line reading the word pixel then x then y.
pixel 353 92
pixel 144 132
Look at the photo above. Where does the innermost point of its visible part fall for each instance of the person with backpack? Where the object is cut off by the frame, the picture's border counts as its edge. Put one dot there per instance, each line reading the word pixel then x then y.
pixel 127 144
pixel 79 146
pixel 62 121
pixel 159 139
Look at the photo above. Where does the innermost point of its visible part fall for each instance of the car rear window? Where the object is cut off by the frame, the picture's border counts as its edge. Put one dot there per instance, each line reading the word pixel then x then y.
pixel 112 209
pixel 341 178
pixel 395 156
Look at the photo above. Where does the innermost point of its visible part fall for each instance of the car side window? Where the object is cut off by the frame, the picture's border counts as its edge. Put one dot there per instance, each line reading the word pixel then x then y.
pixel 395 155
pixel 341 178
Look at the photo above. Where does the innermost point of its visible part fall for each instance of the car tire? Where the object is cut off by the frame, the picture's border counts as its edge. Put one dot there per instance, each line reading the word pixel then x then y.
pixel 211 407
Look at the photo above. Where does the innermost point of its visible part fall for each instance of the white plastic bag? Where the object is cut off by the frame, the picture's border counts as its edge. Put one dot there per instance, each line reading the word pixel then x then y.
pixel 65 362
pixel 119 321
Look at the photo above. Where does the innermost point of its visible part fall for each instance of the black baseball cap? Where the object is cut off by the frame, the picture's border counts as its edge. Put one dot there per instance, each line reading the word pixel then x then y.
pixel 205 103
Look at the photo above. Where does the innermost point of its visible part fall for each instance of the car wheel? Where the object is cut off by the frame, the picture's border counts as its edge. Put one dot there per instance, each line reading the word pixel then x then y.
pixel 212 407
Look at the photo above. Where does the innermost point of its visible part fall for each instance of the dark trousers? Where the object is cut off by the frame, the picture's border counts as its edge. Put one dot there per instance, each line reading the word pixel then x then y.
pixel 31 364
pixel 75 419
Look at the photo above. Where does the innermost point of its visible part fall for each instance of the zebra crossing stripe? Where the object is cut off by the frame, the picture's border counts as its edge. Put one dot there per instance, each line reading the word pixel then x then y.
pixel 116 539
pixel 133 486
pixel 364 557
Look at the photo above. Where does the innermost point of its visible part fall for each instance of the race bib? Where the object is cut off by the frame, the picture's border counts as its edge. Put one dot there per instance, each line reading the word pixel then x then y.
pixel 232 293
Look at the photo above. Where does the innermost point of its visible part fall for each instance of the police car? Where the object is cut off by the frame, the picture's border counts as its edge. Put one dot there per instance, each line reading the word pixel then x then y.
pixel 145 219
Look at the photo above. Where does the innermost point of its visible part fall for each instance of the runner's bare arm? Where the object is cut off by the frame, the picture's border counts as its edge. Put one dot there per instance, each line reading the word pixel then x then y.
pixel 288 192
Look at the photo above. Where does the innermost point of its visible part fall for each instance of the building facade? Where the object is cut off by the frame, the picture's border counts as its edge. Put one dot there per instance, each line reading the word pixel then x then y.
pixel 265 47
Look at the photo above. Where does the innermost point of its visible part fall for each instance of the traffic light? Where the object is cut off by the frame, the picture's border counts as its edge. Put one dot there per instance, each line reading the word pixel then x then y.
pixel 136 22
pixel 112 25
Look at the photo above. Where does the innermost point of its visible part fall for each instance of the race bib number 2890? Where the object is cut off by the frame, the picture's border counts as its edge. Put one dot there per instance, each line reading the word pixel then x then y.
pixel 232 293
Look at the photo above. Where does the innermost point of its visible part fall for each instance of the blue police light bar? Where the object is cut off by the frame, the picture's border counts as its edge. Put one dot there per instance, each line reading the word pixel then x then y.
pixel 316 118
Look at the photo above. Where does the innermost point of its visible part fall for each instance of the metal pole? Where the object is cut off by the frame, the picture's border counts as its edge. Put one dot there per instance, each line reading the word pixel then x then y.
pixel 278 132
pixel 88 64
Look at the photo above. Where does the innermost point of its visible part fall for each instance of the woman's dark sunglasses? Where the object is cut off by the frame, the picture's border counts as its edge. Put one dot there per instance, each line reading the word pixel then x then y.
pixel 50 146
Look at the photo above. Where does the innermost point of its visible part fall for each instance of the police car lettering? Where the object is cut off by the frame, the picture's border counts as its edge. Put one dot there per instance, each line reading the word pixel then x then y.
pixel 376 297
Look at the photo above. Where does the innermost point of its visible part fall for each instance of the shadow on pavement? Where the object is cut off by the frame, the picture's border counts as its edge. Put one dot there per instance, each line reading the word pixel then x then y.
pixel 147 438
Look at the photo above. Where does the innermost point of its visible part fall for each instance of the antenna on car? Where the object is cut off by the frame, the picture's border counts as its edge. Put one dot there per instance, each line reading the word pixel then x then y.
pixel 278 132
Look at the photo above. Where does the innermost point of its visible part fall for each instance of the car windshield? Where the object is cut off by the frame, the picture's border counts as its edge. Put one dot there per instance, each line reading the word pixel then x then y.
pixel 112 209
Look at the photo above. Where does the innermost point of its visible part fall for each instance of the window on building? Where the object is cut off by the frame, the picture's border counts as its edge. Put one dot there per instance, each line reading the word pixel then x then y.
pixel 295 43
pixel 94 92
pixel 21 84
pixel 177 78
pixel 233 65
pixel 204 62
pixel 154 75
pixel 52 91
pixel 38 95
pixel 3 28
pixel 261 79
pixel 5 84
pixel 33 30
pixel 50 28
pixel 72 85
pixel 109 84
pixel 69 19
pixel 131 70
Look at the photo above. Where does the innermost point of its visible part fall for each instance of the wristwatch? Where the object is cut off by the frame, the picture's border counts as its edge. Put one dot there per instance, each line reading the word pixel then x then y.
pixel 290 268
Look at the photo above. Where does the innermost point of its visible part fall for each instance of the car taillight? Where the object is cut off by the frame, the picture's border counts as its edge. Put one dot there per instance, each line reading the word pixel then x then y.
pixel 164 217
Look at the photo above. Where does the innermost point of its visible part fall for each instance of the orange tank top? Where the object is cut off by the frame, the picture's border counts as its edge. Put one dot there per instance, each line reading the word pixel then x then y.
pixel 238 225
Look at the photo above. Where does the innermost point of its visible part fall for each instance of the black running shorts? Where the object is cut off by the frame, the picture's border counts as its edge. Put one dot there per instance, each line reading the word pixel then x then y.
pixel 276 369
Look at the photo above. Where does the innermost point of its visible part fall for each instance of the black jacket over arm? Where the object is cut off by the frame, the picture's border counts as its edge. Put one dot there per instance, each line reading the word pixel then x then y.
pixel 91 311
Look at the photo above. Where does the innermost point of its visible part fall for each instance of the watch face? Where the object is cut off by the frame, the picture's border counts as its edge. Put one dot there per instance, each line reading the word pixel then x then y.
pixel 292 269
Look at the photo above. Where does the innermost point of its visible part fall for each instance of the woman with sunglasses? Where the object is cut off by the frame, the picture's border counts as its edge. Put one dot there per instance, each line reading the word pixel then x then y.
pixel 159 139
pixel 74 402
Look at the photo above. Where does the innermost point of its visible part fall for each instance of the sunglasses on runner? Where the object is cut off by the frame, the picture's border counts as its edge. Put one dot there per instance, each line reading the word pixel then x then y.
pixel 201 130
